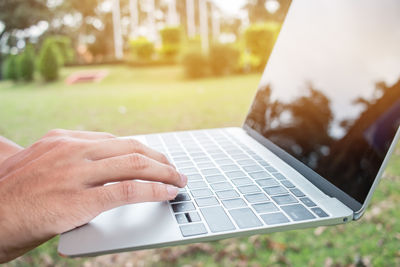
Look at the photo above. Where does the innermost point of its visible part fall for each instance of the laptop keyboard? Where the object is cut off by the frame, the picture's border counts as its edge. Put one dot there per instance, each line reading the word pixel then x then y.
pixel 229 186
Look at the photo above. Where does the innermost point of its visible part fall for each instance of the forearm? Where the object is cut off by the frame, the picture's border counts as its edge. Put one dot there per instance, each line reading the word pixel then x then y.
pixel 7 148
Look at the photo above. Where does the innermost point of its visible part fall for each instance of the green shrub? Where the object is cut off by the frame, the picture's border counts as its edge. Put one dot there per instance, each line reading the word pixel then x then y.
pixel 63 47
pixel 171 41
pixel 224 59
pixel 49 64
pixel 26 64
pixel 10 68
pixel 260 39
pixel 142 49
pixel 195 64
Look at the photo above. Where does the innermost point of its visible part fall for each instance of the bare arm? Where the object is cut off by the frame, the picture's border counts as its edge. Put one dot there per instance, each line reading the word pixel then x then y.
pixel 58 184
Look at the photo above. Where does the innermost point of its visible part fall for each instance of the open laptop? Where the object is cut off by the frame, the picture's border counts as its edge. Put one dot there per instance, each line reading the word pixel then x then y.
pixel 314 145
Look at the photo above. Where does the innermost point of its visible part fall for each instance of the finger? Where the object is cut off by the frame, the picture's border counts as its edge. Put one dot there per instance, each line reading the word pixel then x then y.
pixel 134 166
pixel 79 134
pixel 118 147
pixel 128 192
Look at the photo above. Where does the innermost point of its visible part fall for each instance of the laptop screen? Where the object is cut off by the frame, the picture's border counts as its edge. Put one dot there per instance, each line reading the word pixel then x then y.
pixel 330 94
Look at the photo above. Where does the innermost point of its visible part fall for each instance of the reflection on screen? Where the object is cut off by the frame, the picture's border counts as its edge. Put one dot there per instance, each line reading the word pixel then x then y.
pixel 330 94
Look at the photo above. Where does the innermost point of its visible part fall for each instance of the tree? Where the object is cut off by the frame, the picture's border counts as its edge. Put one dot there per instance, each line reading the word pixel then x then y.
pixel 26 64
pixel 48 62
pixel 21 14
pixel 10 68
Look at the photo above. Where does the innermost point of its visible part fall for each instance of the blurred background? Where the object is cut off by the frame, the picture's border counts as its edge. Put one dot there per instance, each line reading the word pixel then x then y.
pixel 140 66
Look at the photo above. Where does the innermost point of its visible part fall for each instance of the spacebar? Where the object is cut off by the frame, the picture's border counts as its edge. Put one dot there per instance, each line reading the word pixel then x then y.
pixel 217 219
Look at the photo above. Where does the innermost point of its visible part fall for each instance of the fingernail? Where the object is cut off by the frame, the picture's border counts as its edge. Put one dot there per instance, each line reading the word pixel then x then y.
pixel 172 190
pixel 184 179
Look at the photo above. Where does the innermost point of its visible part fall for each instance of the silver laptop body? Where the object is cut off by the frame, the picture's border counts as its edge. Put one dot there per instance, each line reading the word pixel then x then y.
pixel 314 145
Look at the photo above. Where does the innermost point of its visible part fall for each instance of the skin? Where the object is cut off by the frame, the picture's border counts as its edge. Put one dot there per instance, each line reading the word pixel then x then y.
pixel 58 184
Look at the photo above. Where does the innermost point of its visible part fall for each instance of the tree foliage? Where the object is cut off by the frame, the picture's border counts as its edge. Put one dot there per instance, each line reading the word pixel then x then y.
pixel 26 64
pixel 10 68
pixel 49 62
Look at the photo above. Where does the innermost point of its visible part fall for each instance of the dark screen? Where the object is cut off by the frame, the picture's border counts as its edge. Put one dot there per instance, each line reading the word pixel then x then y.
pixel 330 94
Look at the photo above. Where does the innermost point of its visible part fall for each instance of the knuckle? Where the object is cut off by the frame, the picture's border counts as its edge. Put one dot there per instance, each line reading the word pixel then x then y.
pixel 156 191
pixel 56 132
pixel 164 158
pixel 107 135
pixel 128 191
pixel 135 145
pixel 138 162
pixel 105 198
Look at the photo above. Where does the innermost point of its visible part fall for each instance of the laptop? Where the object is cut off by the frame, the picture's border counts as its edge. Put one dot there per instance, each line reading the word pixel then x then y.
pixel 311 151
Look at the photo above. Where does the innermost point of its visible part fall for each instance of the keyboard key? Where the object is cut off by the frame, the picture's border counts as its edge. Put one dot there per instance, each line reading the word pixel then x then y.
pixel 217 219
pixel 297 212
pixel 287 183
pixel 264 163
pixel 252 168
pixel 274 218
pixel 221 186
pixel 275 190
pixel 270 169
pixel 196 184
pixel 181 197
pixel 233 151
pixel 267 182
pixel 279 176
pixel 193 216
pixel 223 161
pixel 235 174
pixel 255 198
pixel 205 165
pixel 240 156
pixel 246 162
pixel 245 218
pixel 284 199
pixel 193 229
pixel 319 212
pixel 308 202
pixel 176 159
pixel 259 175
pixel 210 171
pixel 241 181
pixel 188 171
pixel 181 218
pixel 228 168
pixel 198 155
pixel 182 207
pixel 194 177
pixel 215 178
pixel 205 159
pixel 184 164
pixel 297 192
pixel 246 189
pixel 227 194
pixel 202 192
pixel 234 203
pixel 265 207
pixel 219 156
pixel 207 201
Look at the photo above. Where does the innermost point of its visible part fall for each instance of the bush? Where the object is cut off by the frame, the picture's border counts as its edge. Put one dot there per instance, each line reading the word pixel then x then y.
pixel 26 64
pixel 195 64
pixel 49 65
pixel 171 41
pixel 260 39
pixel 63 47
pixel 10 68
pixel 142 49
pixel 224 59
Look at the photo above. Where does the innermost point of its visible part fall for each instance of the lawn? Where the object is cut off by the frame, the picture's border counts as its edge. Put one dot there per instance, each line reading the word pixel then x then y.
pixel 133 101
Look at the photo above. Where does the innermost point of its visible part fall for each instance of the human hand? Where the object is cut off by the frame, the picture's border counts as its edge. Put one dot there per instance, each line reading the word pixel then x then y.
pixel 57 184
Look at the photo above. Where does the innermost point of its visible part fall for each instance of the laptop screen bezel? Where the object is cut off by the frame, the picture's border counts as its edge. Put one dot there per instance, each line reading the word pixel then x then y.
pixel 319 181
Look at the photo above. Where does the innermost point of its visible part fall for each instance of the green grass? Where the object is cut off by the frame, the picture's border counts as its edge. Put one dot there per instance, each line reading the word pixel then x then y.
pixel 133 101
